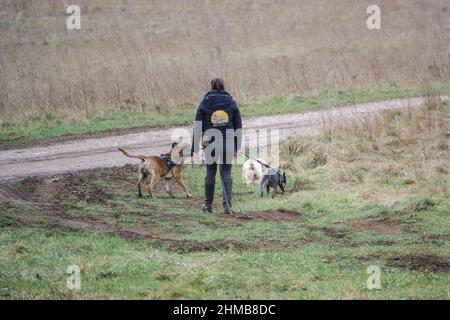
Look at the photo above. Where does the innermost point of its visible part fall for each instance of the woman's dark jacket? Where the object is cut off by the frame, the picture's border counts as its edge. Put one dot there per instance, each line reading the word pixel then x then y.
pixel 218 110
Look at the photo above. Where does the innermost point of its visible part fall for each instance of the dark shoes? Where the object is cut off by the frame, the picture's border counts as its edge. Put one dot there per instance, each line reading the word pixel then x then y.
pixel 209 196
pixel 227 194
pixel 206 209
pixel 227 209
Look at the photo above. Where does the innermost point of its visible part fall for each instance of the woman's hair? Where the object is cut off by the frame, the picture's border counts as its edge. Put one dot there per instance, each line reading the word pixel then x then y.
pixel 217 84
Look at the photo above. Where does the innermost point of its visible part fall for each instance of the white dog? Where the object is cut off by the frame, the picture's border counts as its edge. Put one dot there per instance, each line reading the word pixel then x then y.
pixel 253 171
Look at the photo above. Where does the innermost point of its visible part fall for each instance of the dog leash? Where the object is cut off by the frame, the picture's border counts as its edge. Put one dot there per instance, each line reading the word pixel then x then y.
pixel 260 162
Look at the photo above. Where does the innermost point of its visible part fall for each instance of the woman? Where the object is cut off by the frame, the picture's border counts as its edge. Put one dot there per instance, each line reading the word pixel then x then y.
pixel 217 117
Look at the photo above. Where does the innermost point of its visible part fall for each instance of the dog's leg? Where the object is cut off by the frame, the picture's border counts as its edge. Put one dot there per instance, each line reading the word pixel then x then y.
pixel 249 180
pixel 153 180
pixel 256 179
pixel 180 181
pixel 263 185
pixel 168 188
pixel 139 187
pixel 275 189
pixel 142 177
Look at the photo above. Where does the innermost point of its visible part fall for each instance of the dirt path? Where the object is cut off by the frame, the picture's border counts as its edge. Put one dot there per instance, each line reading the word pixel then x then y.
pixel 89 153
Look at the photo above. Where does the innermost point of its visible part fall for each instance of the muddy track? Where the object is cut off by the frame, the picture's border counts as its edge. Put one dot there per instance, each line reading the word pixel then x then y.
pixel 98 152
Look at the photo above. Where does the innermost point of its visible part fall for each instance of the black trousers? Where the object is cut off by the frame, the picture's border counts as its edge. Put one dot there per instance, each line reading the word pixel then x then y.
pixel 211 171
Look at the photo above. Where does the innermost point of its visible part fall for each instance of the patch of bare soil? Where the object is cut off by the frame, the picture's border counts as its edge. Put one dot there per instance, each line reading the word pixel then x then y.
pixel 66 223
pixel 184 246
pixel 438 239
pixel 338 235
pixel 385 242
pixel 370 257
pixel 45 191
pixel 375 226
pixel 40 191
pixel 44 195
pixel 94 195
pixel 276 216
pixel 335 233
pixel 119 174
pixel 422 262
pixel 187 246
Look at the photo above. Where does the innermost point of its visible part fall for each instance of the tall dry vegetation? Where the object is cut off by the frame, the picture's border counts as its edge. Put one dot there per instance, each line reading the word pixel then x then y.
pixel 407 152
pixel 157 56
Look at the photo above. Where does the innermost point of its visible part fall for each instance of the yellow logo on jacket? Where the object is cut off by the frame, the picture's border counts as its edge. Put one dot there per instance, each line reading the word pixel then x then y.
pixel 219 118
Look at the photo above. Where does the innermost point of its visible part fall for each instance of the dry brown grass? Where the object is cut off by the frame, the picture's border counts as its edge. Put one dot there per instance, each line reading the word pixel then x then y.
pixel 395 155
pixel 158 55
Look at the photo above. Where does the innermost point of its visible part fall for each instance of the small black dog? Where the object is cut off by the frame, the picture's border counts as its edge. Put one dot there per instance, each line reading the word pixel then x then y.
pixel 273 179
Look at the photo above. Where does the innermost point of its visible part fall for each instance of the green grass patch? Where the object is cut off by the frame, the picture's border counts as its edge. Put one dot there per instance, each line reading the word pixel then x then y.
pixel 339 217
pixel 37 126
pixel 309 244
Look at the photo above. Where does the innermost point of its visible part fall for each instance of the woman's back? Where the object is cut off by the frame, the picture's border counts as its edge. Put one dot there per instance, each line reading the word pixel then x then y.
pixel 218 110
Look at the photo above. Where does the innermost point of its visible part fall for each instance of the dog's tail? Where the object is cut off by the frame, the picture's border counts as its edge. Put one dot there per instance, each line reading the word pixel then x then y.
pixel 142 158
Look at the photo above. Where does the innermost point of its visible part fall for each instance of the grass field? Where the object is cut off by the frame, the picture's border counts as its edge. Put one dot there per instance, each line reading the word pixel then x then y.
pixel 39 126
pixel 372 193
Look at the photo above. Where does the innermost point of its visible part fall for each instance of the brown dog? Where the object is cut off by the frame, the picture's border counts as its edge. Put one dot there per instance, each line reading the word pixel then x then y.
pixel 155 168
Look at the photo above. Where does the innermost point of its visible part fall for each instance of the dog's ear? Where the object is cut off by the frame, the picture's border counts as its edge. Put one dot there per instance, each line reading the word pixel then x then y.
pixel 174 144
pixel 282 175
pixel 179 151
